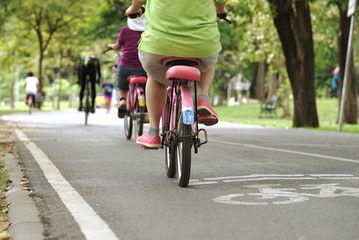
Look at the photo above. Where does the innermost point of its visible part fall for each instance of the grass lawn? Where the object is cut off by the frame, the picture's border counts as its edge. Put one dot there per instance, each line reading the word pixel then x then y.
pixel 245 114
pixel 249 114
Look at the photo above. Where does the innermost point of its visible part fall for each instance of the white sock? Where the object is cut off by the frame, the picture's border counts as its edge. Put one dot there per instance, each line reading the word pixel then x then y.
pixel 153 132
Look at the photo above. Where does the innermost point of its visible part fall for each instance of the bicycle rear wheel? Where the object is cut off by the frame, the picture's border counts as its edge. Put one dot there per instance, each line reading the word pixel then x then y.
pixel 87 104
pixel 31 104
pixel 170 141
pixel 128 124
pixel 183 146
pixel 183 156
pixel 140 117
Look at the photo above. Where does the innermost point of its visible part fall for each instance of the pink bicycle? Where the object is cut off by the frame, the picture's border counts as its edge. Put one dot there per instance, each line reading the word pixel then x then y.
pixel 136 106
pixel 179 119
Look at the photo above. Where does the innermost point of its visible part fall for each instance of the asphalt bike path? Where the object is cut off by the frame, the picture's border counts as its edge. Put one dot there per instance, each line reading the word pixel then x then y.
pixel 248 182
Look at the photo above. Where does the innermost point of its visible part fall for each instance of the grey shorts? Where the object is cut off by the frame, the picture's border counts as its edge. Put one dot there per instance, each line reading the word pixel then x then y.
pixel 156 70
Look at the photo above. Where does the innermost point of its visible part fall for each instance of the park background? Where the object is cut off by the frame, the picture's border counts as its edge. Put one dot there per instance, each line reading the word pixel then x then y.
pixel 272 48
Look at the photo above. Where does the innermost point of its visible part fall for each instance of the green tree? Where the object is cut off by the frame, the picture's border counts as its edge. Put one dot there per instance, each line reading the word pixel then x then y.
pixel 47 19
pixel 293 23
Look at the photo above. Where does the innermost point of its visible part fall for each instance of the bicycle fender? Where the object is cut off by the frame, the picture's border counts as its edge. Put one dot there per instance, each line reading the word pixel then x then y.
pixel 187 105
pixel 140 97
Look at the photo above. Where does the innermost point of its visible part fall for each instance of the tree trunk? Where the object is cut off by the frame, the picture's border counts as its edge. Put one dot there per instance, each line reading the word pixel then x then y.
pixel 284 98
pixel 71 72
pixel 260 90
pixel 272 87
pixel 351 101
pixel 252 89
pixel 295 32
pixel 59 79
pixel 222 95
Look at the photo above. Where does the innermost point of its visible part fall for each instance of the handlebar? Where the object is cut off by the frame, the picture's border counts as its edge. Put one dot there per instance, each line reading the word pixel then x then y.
pixel 224 17
pixel 135 15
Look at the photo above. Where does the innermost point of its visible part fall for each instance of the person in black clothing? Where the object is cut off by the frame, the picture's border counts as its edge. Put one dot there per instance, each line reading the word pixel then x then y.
pixel 90 66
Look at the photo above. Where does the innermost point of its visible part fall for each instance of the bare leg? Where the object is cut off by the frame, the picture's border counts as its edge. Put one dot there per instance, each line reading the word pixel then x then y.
pixel 108 102
pixel 155 100
pixel 206 81
pixel 206 113
pixel 121 94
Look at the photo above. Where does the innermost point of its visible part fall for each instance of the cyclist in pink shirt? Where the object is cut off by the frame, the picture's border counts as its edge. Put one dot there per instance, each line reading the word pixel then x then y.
pixel 129 63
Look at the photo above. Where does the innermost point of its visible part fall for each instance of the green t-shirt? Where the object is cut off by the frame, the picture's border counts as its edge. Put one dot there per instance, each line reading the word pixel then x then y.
pixel 181 28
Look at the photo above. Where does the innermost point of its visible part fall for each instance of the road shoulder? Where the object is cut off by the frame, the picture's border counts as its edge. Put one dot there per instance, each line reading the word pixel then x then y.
pixel 22 212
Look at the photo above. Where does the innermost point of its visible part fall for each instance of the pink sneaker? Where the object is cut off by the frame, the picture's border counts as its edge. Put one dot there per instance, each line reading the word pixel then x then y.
pixel 206 114
pixel 149 142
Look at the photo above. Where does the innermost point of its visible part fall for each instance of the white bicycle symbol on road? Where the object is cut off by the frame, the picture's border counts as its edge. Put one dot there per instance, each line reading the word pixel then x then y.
pixel 272 193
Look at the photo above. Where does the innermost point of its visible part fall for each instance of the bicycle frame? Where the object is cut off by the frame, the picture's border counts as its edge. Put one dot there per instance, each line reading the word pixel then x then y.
pixel 188 107
pixel 30 102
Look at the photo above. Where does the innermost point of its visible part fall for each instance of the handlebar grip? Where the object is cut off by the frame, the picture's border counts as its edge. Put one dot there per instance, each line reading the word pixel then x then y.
pixel 135 15
pixel 224 17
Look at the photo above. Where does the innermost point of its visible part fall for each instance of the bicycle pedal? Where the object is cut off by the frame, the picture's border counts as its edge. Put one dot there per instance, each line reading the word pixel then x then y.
pixel 147 148
pixel 205 136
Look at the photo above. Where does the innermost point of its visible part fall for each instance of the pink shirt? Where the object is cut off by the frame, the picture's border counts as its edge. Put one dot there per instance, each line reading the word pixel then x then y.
pixel 129 39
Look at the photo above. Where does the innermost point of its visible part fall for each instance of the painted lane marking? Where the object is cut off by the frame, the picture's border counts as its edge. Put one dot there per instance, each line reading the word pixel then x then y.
pixel 265 177
pixel 289 151
pixel 90 223
pixel 255 176
pixel 272 194
pixel 268 178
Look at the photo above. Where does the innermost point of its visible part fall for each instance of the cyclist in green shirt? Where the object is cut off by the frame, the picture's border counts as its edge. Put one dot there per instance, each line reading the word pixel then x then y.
pixel 185 28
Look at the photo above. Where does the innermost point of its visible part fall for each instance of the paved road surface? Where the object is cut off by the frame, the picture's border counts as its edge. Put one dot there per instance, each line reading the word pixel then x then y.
pixel 248 182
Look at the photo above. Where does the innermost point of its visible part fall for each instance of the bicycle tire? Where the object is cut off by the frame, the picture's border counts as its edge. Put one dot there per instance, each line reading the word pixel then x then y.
pixel 140 117
pixel 183 146
pixel 30 103
pixel 183 157
pixel 139 124
pixel 87 104
pixel 128 124
pixel 30 108
pixel 171 146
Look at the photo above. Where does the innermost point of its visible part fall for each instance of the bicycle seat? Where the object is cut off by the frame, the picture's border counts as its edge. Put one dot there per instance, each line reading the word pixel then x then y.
pixel 183 72
pixel 173 61
pixel 137 79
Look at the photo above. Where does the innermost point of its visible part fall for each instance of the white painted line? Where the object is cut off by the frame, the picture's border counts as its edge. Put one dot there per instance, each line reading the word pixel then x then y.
pixel 268 178
pixel 340 178
pixel 331 175
pixel 254 176
pixel 289 151
pixel 90 223
pixel 202 183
